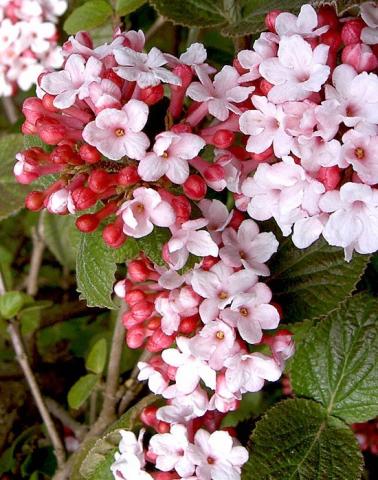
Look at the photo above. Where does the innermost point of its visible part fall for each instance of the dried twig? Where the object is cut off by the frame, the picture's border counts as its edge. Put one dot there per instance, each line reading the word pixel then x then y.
pixel 61 414
pixel 10 109
pixel 36 257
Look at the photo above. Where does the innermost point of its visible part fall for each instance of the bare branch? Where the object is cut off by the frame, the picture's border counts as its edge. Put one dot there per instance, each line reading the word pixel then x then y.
pixel 61 414
pixel 36 257
pixel 10 109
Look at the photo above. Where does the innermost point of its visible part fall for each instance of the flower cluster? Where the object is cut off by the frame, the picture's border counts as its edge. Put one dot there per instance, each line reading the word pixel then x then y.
pixel 28 41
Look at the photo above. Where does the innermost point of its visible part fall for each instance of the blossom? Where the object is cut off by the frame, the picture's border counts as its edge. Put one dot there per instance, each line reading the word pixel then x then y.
pixel 353 220
pixel 369 14
pixel 144 68
pixel 144 211
pixel 217 216
pixel 190 369
pixel 221 94
pixel 116 133
pixel 265 125
pixel 190 239
pixel 157 382
pixel 170 156
pixel 183 408
pixel 248 247
pixel 218 286
pixel 170 450
pixel 129 461
pixel 250 313
pixel 361 151
pixel 73 81
pixel 264 47
pixel 297 71
pixel 217 455
pixel 305 24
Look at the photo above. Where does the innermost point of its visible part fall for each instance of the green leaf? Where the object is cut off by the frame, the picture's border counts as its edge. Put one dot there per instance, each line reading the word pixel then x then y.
pixel 191 13
pixel 311 282
pixel 95 270
pixel 96 359
pixel 90 15
pixel 96 464
pixel 81 390
pixel 61 237
pixel 124 7
pixel 337 363
pixel 296 439
pixel 152 244
pixel 250 406
pixel 11 303
pixel 12 194
pixel 129 250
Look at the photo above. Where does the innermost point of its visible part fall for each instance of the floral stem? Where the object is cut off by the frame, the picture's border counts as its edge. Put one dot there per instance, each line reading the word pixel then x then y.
pixel 10 109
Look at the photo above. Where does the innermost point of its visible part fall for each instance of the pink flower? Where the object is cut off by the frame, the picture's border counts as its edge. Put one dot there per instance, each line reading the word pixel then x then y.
pixel 361 151
pixel 353 223
pixel 180 303
pixel 144 211
pixel 305 24
pixel 218 287
pixel 369 14
pixel 248 247
pixel 221 94
pixel 116 133
pixel 250 313
pixel 182 408
pixel 297 72
pixel 217 215
pixel 247 372
pixel 213 343
pixel 105 95
pixel 315 152
pixel 60 202
pixel 170 156
pixel 217 456
pixel 223 400
pixel 145 69
pixel 265 125
pixel 73 81
pixel 264 47
pixel 190 369
pixel 171 451
pixel 129 461
pixel 189 239
pixel 157 382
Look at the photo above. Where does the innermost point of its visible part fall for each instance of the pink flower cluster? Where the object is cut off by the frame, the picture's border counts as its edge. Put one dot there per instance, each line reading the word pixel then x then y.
pixel 28 41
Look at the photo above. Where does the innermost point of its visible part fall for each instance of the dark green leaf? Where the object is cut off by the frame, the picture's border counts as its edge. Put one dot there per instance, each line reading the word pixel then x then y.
pixel 90 15
pixel 61 237
pixel 337 363
pixel 152 244
pixel 96 359
pixel 296 439
pixel 312 282
pixel 124 7
pixel 81 390
pixel 250 406
pixel 11 303
pixel 191 13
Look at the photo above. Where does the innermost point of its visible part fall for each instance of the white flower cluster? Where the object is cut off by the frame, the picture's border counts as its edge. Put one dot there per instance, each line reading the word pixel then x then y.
pixel 28 42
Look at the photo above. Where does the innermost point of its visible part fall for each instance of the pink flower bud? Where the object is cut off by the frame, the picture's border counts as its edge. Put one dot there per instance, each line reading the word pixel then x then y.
pixel 129 321
pixel 270 20
pixel 332 38
pixel 120 289
pixel 159 341
pixel 100 180
pixel 89 154
pixel 148 416
pixel 135 337
pixel 351 31
pixel 87 223
pixel 237 218
pixel 142 310
pixel 83 198
pixel 329 176
pixel 34 201
pixel 128 176
pixel 137 271
pixel 113 235
pixel 195 187
pixel 134 296
pixel 214 173
pixel 182 208
pixel 223 138
pixel 188 324
pixel 50 130
pixel 328 16
pixel 151 95
pixel 360 56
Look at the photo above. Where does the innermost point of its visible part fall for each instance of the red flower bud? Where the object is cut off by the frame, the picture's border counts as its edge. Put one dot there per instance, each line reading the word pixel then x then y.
pixel 87 223
pixel 223 138
pixel 83 198
pixel 89 154
pixel 151 95
pixel 328 16
pixel 351 31
pixel 99 181
pixel 34 201
pixel 195 187
pixel 270 20
pixel 128 176
pixel 135 337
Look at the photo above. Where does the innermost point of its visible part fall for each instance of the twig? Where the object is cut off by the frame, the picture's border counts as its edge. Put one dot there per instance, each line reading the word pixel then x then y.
pixel 61 414
pixel 133 387
pixel 159 22
pixel 10 109
pixel 92 407
pixel 36 257
pixel 25 366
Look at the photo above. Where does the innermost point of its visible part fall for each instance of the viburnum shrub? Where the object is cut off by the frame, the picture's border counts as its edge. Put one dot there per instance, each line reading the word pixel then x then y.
pixel 141 145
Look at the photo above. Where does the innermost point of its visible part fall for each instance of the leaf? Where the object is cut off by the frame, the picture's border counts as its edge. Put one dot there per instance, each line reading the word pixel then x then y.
pixel 90 15
pixel 337 363
pixel 95 270
pixel 11 303
pixel 250 406
pixel 152 244
pixel 129 250
pixel 311 282
pixel 191 13
pixel 12 194
pixel 96 359
pixel 124 7
pixel 96 464
pixel 61 237
pixel 296 439
pixel 81 390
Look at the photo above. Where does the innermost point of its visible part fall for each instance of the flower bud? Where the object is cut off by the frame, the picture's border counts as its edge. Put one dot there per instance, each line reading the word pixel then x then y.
pixel 236 219
pixel 351 31
pixel 137 271
pixel 195 187
pixel 360 56
pixel 134 296
pixel 151 95
pixel 223 138
pixel 142 310
pixel 328 16
pixel 329 176
pixel 89 154
pixel 34 201
pixel 128 176
pixel 182 208
pixel 214 173
pixel 188 324
pixel 129 321
pixel 83 198
pixel 50 130
pixel 113 235
pixel 159 341
pixel 148 416
pixel 87 223
pixel 48 103
pixel 332 38
pixel 135 337
pixel 99 181
pixel 270 20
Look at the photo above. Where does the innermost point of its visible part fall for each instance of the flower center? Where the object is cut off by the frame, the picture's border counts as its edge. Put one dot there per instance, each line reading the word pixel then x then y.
pixel 243 312
pixel 222 295
pixel 242 254
pixel 220 335
pixel 119 132
pixel 139 207
pixel 359 153
pixel 165 155
pixel 210 460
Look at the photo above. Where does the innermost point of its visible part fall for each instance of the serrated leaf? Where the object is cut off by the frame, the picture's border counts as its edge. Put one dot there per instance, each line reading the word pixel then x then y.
pixel 95 270
pixel 61 237
pixel 96 464
pixel 96 359
pixel 296 439
pixel 191 13
pixel 311 282
pixel 124 7
pixel 337 363
pixel 90 15
pixel 152 244
pixel 11 303
pixel 81 390
pixel 129 250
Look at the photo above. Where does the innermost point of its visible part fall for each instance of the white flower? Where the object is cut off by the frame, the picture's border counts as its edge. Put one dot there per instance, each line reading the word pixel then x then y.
pixel 305 24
